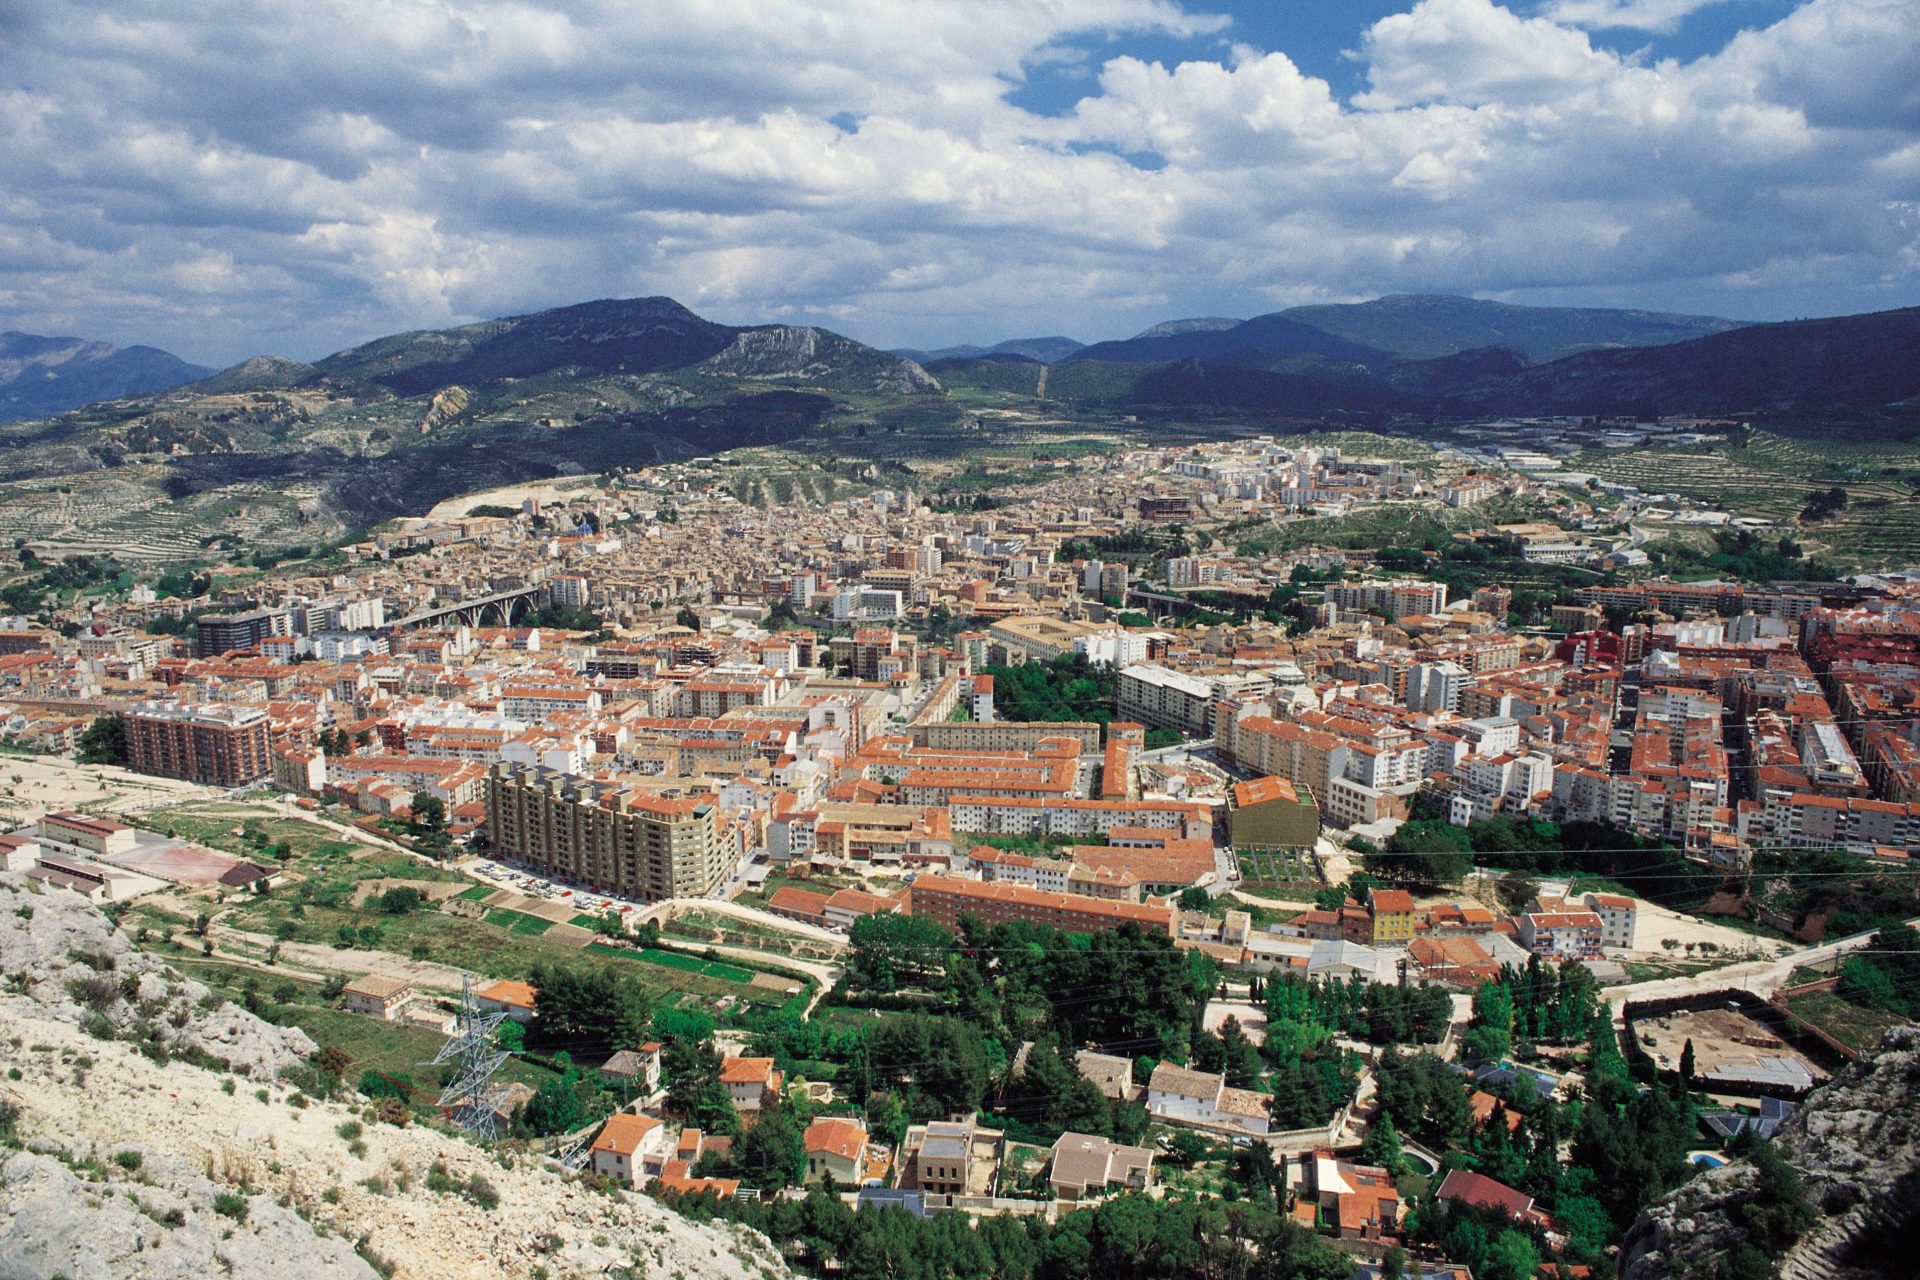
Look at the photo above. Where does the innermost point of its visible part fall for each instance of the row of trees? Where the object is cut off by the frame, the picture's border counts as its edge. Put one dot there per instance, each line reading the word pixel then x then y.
pixel 1540 1004
pixel 1377 1012
pixel 1430 851
pixel 1126 990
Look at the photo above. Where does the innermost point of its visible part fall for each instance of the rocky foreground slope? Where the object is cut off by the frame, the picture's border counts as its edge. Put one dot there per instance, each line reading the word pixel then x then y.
pixel 126 1161
pixel 1856 1146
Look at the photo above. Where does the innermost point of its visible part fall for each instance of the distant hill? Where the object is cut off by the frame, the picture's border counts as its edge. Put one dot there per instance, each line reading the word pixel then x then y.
pixel 1446 373
pixel 260 373
pixel 40 375
pixel 394 425
pixel 1196 324
pixel 621 335
pixel 1253 343
pixel 1424 326
pixel 1281 363
pixel 274 452
pixel 1045 350
pixel 1196 383
pixel 1842 361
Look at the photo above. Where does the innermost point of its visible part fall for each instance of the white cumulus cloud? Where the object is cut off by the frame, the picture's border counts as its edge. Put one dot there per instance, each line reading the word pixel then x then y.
pixel 245 175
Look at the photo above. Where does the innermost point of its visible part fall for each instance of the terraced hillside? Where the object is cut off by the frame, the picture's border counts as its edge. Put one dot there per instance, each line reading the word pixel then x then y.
pixel 1773 476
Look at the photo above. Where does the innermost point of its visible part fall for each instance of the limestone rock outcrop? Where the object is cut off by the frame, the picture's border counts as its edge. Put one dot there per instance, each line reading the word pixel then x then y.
pixel 1856 1146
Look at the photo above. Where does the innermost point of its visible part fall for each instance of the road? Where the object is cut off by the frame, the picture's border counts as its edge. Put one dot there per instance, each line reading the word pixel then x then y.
pixel 1761 977
pixel 753 915
pixel 643 911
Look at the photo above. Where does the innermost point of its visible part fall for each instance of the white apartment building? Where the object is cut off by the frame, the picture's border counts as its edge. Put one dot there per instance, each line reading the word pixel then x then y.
pixel 1118 649
pixel 1436 686
pixel 866 604
pixel 1159 697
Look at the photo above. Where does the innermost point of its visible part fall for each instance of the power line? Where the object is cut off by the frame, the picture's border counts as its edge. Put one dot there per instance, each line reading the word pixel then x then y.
pixel 473 1102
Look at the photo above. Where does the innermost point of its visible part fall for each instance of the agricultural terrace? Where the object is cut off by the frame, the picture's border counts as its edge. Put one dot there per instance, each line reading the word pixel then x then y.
pixel 1773 477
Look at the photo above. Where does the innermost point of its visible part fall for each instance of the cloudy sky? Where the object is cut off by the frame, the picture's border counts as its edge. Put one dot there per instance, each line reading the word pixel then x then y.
pixel 226 177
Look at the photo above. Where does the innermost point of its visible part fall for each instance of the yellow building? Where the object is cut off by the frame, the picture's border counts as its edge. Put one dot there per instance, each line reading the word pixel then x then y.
pixel 1393 916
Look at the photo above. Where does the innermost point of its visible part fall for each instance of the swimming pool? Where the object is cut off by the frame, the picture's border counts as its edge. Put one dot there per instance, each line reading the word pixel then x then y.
pixel 1708 1160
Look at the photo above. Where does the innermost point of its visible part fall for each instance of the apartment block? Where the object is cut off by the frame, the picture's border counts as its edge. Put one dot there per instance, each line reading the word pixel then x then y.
pixel 218 633
pixel 209 743
pixel 610 838
pixel 1166 699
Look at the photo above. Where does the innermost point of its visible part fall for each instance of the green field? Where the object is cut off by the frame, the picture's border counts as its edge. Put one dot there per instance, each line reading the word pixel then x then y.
pixel 371 1044
pixel 1396 524
pixel 518 922
pixel 1280 867
pixel 1850 1024
pixel 682 962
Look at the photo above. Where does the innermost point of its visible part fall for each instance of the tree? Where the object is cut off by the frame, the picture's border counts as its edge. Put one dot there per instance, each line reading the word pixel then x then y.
pixel 772 1154
pixel 891 950
pixel 887 1119
pixel 1062 1099
pixel 587 1010
pixel 1484 1044
pixel 381 1084
pixel 1239 1056
pixel 687 618
pixel 1427 852
pixel 1195 899
pixel 1516 889
pixel 1263 1178
pixel 695 1092
pixel 429 813
pixel 1512 1256
pixel 400 900
pixel 104 741
pixel 1382 1147
pixel 554 1107
pixel 1777 1214
pixel 1687 1063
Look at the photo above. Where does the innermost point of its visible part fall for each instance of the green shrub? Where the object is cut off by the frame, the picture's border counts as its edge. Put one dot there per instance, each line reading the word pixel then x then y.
pixel 481 1192
pixel 231 1204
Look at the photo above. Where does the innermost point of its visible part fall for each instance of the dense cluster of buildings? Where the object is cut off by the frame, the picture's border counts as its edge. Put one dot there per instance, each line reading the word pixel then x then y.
pixel 667 755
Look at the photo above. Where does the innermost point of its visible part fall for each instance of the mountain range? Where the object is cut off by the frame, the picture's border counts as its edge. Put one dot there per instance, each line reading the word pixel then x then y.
pixel 1456 357
pixel 279 449
pixel 41 375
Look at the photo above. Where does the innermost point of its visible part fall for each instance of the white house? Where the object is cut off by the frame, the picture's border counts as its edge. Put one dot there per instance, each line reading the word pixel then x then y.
pixel 1181 1096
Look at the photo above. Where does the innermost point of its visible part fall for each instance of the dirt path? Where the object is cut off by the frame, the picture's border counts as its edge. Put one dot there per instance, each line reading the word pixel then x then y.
pixel 352 961
pixel 1761 977
pixel 31 786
